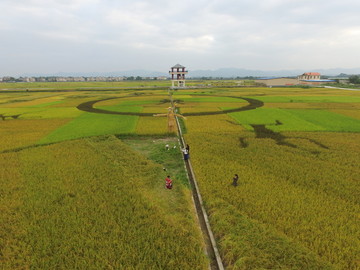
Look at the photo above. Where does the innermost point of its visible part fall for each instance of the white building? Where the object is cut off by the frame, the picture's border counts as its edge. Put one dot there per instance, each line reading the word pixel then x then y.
pixel 178 76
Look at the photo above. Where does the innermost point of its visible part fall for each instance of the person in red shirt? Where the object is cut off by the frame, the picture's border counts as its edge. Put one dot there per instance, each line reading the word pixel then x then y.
pixel 168 182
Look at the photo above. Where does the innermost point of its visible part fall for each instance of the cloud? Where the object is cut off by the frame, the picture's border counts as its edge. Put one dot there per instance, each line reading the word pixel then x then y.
pixel 271 34
pixel 198 44
pixel 130 24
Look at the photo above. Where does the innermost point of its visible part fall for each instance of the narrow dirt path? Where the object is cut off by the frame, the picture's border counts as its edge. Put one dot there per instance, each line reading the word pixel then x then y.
pixel 89 107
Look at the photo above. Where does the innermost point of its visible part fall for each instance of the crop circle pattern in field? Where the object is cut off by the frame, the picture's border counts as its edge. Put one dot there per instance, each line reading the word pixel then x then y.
pixel 253 104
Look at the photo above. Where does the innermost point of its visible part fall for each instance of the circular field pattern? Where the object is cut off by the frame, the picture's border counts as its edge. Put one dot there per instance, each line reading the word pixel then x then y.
pixel 253 104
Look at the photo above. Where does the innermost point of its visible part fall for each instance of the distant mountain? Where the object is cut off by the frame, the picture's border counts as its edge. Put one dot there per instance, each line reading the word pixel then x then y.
pixel 238 72
pixel 222 72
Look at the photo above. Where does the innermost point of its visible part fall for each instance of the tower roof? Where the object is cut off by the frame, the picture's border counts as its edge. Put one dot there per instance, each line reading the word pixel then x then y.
pixel 178 66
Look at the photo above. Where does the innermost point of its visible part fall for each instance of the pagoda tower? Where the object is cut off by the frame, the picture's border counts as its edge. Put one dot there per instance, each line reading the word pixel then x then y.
pixel 178 76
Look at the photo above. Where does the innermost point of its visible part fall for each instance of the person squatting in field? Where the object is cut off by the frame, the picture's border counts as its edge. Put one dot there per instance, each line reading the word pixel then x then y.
pixel 235 180
pixel 168 182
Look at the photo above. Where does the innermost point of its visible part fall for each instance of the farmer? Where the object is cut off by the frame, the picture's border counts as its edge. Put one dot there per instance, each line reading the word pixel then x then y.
pixel 168 182
pixel 188 148
pixel 186 153
pixel 235 180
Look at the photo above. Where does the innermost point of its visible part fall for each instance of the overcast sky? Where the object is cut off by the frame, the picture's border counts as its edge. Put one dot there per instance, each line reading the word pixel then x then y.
pixel 50 36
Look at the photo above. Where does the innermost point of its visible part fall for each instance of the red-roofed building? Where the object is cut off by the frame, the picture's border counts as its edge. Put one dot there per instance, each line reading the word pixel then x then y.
pixel 309 76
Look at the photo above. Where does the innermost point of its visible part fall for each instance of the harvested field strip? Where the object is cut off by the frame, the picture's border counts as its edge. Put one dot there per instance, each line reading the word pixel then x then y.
pixel 81 204
pixel 153 148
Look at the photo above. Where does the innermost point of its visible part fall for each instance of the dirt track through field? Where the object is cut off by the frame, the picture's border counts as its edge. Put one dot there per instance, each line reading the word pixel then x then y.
pixel 89 107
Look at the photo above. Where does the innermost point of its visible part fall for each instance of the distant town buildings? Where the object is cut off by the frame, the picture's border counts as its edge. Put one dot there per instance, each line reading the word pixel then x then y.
pixel 77 79
pixel 177 77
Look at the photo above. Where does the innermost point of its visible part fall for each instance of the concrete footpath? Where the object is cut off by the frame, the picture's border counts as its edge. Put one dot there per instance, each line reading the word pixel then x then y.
pixel 332 87
pixel 211 247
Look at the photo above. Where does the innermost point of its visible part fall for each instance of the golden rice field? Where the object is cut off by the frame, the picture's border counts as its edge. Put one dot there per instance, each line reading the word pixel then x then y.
pixel 83 205
pixel 297 204
pixel 84 190
pixel 71 197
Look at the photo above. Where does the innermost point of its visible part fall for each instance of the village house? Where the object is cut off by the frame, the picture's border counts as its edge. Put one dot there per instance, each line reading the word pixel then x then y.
pixel 309 76
pixel 313 78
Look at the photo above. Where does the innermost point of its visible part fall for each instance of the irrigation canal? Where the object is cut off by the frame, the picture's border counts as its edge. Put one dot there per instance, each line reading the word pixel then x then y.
pixel 210 243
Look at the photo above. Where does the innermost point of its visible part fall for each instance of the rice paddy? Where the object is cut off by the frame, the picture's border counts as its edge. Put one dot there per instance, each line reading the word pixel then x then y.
pixel 85 190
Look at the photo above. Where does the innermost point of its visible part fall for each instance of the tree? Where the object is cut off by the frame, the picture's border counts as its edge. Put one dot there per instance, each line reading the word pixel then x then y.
pixel 355 79
pixel 9 79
